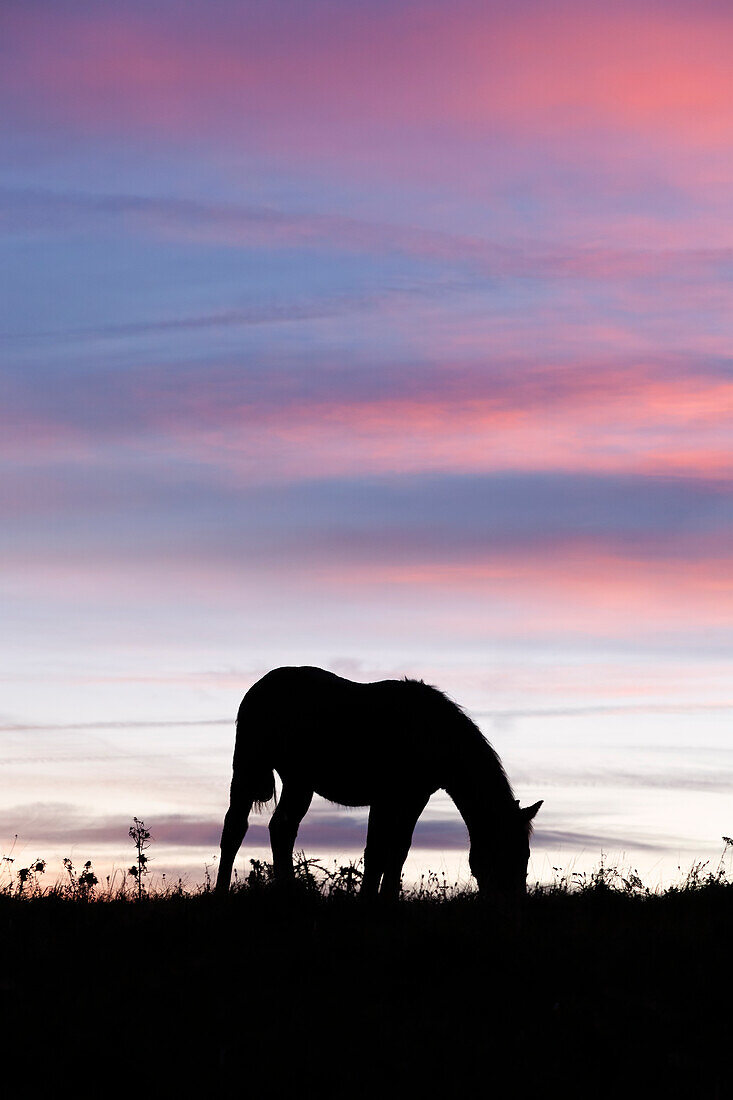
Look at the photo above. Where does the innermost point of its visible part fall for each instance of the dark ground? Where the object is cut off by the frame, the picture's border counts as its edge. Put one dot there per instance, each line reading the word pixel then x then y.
pixel 600 994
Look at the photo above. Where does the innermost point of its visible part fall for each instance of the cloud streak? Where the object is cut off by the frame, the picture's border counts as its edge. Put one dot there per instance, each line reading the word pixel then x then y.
pixel 497 715
pixel 443 518
pixel 39 212
pixel 62 824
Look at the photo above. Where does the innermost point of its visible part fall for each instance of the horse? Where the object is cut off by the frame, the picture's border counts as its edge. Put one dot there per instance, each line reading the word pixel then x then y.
pixel 387 745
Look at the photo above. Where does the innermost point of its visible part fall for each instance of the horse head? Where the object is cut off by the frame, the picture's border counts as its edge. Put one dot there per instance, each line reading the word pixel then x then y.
pixel 499 854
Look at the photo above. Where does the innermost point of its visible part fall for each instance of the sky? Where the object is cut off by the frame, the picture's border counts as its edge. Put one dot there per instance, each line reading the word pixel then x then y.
pixel 393 338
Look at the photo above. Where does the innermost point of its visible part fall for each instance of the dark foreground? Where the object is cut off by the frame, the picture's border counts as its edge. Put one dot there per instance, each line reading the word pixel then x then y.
pixel 600 994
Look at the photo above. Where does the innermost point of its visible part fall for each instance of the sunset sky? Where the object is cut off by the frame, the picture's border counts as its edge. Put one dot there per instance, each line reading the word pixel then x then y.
pixel 391 337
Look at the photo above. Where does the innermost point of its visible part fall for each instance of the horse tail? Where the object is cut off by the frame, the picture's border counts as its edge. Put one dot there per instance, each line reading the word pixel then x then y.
pixel 252 772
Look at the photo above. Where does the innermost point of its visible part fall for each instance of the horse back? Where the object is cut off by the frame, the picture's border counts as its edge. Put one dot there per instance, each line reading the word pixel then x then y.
pixel 351 742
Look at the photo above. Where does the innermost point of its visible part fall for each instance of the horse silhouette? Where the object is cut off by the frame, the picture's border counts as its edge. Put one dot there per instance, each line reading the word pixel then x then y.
pixel 387 745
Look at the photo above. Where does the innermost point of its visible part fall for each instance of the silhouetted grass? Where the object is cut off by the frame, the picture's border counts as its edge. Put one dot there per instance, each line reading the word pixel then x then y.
pixel 605 988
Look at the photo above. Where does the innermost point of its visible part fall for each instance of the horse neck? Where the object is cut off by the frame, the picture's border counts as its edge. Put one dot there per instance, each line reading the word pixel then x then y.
pixel 481 791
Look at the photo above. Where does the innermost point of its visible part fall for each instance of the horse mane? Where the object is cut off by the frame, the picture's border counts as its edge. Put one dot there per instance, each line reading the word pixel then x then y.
pixel 474 737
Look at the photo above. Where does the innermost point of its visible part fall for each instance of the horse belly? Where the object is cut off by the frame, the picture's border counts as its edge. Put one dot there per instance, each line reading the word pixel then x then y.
pixel 342 796
pixel 379 783
pixel 347 787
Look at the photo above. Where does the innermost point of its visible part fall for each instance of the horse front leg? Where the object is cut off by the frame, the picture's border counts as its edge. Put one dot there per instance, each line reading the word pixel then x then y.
pixel 403 822
pixel 389 836
pixel 284 825
pixel 374 853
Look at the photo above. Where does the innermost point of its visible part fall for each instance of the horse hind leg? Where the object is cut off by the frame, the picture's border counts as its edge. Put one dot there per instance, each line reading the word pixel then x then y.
pixel 284 824
pixel 233 833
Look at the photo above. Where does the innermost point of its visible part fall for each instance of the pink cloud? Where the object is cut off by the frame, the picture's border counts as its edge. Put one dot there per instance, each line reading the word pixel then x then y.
pixel 348 83
pixel 634 416
pixel 619 419
pixel 573 587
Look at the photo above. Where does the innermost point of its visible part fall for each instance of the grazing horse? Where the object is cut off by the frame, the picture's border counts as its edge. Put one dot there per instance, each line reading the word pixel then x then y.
pixel 388 745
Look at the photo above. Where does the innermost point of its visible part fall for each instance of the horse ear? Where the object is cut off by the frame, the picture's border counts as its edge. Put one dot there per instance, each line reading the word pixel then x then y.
pixel 529 812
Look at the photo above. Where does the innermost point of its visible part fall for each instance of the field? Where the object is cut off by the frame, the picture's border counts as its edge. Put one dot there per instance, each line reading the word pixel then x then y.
pixel 604 989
